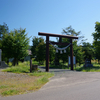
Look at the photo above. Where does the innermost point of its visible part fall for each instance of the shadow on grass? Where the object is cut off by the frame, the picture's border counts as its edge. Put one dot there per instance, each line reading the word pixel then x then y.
pixel 88 69
pixel 4 67
pixel 60 66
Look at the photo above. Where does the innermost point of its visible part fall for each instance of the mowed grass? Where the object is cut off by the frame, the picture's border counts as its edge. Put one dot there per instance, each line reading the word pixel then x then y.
pixel 18 80
pixel 95 68
pixel 21 68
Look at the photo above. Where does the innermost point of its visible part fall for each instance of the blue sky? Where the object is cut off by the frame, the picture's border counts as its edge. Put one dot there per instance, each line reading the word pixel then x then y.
pixel 51 16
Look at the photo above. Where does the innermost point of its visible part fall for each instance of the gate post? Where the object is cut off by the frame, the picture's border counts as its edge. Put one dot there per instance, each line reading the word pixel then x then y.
pixel 47 53
pixel 71 54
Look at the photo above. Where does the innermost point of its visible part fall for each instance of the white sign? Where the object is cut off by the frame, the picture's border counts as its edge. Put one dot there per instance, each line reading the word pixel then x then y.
pixel 74 60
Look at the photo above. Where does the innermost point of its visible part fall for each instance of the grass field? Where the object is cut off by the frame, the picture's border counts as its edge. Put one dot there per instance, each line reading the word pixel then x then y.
pixel 18 80
pixel 95 68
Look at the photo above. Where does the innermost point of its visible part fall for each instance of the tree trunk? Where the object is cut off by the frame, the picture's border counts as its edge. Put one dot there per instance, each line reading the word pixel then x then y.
pixel 14 61
pixel 7 62
pixel 17 62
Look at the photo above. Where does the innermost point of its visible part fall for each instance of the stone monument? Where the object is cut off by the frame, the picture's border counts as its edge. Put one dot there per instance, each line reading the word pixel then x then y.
pixel 2 63
pixel 88 63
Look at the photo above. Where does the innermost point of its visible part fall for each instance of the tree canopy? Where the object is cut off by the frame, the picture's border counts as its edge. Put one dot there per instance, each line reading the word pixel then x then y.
pixel 96 38
pixel 15 44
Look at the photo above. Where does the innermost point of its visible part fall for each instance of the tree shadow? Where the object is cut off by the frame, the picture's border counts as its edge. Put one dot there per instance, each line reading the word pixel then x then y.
pixel 60 66
pixel 87 69
pixel 3 67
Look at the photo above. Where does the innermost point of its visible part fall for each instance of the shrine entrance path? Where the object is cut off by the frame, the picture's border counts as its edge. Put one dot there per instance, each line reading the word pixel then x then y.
pixel 65 77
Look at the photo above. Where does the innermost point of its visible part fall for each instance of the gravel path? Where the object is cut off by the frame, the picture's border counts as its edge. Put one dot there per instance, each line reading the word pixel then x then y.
pixel 65 77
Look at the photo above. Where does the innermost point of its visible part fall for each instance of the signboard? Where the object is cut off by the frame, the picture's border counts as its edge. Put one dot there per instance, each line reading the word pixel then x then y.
pixel 74 60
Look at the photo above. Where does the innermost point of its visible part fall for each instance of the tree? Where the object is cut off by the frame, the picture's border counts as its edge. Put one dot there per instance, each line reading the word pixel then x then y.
pixel 96 38
pixel 40 52
pixel 88 50
pixel 77 50
pixel 51 53
pixel 3 30
pixel 15 45
pixel 36 42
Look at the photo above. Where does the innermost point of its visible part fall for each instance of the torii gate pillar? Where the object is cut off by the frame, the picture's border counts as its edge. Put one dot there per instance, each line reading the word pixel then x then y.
pixel 47 53
pixel 71 54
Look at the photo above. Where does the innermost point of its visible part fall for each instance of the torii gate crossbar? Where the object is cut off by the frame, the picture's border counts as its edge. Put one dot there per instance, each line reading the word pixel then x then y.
pixel 58 43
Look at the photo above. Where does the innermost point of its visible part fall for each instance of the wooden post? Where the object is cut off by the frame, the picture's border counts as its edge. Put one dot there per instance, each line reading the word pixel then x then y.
pixel 30 65
pixel 71 54
pixel 60 39
pixel 47 53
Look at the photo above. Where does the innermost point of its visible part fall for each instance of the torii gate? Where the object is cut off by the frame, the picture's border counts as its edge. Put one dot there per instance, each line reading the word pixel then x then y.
pixel 58 43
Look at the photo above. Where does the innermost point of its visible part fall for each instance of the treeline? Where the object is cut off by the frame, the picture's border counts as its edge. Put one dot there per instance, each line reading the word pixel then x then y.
pixel 82 51
pixel 14 44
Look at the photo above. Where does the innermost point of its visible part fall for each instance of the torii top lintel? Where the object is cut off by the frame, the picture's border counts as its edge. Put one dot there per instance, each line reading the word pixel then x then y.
pixel 57 35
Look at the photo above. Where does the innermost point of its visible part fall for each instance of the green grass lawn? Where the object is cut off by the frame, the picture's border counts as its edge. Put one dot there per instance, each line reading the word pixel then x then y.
pixel 95 68
pixel 22 81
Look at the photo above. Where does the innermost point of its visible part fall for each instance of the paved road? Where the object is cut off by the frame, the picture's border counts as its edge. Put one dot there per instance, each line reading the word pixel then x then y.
pixel 66 85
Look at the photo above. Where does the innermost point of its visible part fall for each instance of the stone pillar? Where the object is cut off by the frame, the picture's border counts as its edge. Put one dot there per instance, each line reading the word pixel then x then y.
pixel 0 54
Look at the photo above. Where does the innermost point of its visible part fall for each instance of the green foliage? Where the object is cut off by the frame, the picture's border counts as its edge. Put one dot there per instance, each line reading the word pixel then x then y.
pixel 39 49
pixel 21 68
pixel 36 42
pixel 95 68
pixel 70 31
pixel 3 30
pixel 88 50
pixel 41 52
pixel 77 50
pixel 60 66
pixel 10 92
pixel 79 54
pixel 51 53
pixel 96 37
pixel 15 44
pixel 42 80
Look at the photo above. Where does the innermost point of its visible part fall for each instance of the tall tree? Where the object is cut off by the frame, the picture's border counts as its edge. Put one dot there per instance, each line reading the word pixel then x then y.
pixel 36 41
pixel 76 49
pixel 96 38
pixel 15 44
pixel 3 30
pixel 51 53
pixel 40 52
pixel 88 50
